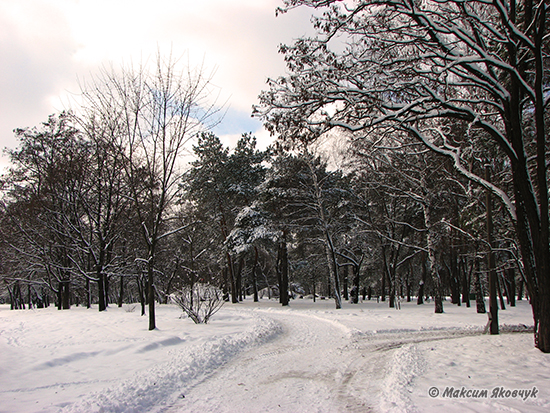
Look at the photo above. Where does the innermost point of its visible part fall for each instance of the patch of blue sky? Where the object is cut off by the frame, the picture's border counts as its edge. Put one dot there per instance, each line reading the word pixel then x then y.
pixel 237 122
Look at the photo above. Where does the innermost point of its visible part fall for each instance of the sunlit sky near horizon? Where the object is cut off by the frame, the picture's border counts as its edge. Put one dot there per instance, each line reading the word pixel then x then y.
pixel 47 46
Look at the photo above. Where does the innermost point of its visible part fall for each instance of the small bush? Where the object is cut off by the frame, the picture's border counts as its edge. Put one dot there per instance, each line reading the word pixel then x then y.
pixel 130 308
pixel 199 302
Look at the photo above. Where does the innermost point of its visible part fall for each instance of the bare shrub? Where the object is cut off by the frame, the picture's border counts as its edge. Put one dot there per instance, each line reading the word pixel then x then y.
pixel 199 302
pixel 130 308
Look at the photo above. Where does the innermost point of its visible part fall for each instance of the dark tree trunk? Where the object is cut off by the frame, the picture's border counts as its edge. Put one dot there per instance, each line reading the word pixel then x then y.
pixel 254 279
pixel 88 294
pixel 355 288
pixel 232 286
pixel 239 279
pixel 60 295
pixel 511 274
pixel 121 292
pixel 383 291
pixel 66 295
pixel 390 278
pixel 346 272
pixel 480 301
pixel 438 296
pixel 225 284
pixel 455 279
pixel 141 292
pixel 466 282
pixel 278 271
pixel 493 309
pixel 39 297
pixel 101 290
pixel 107 291
pixel 20 297
pixel 12 298
pixel 283 271
pixel 500 287
pixel 421 292
pixel 151 291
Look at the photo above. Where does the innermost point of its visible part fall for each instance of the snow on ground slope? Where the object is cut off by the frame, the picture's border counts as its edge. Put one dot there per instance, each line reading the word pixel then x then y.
pixel 82 360
pixel 254 357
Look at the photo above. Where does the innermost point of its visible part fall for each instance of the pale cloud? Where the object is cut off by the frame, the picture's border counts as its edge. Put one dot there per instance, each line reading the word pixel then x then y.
pixel 35 63
pixel 46 45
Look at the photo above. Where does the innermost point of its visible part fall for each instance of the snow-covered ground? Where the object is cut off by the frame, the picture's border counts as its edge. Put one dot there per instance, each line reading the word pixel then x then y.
pixel 256 357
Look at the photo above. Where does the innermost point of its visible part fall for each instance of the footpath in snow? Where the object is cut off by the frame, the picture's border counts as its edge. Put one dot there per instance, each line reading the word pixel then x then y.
pixel 255 357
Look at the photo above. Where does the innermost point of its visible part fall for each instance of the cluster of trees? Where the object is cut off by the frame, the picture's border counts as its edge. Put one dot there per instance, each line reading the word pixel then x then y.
pixel 441 108
pixel 393 221
pixel 468 80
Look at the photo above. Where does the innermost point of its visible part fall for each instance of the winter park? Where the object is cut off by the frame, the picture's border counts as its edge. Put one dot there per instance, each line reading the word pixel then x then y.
pixel 276 206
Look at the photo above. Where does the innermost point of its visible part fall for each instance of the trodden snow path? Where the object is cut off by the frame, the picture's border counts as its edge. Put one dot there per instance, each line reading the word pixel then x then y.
pixel 310 367
pixel 318 364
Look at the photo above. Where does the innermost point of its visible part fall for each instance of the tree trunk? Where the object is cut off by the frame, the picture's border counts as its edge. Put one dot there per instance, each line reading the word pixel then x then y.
pixel 233 289
pixel 390 277
pixel 88 294
pixel 239 279
pixel 480 300
pixel 283 271
pixel 121 292
pixel 346 272
pixel 254 280
pixel 542 246
pixel 333 269
pixel 466 282
pixel 511 274
pixel 383 287
pixel 454 273
pixel 101 290
pixel 493 309
pixel 355 289
pixel 66 294
pixel 500 287
pixel 12 298
pixel 141 293
pixel 59 295
pixel 432 269
pixel 420 298
pixel 151 282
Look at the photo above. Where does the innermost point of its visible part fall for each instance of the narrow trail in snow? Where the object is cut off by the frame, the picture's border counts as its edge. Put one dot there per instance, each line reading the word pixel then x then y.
pixel 307 368
pixel 315 365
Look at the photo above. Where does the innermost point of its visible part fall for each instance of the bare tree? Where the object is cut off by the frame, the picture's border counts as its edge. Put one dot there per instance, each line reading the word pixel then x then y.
pixel 153 114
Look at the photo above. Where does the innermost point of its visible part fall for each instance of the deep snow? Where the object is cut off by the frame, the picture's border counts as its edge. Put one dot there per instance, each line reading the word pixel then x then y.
pixel 255 357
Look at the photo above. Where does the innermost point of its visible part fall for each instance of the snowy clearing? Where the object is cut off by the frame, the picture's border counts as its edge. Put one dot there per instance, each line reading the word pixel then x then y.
pixel 254 357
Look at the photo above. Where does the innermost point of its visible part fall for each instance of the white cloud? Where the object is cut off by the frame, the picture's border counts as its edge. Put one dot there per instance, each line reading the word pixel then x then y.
pixel 36 63
pixel 47 44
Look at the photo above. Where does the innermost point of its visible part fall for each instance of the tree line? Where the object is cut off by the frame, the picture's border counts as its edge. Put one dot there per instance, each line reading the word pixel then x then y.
pixel 393 222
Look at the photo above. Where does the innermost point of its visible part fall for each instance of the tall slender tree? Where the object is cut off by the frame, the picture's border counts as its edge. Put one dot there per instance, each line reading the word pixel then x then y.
pixel 153 114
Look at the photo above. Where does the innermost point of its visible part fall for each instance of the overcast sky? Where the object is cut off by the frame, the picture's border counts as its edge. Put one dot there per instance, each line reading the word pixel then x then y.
pixel 47 45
